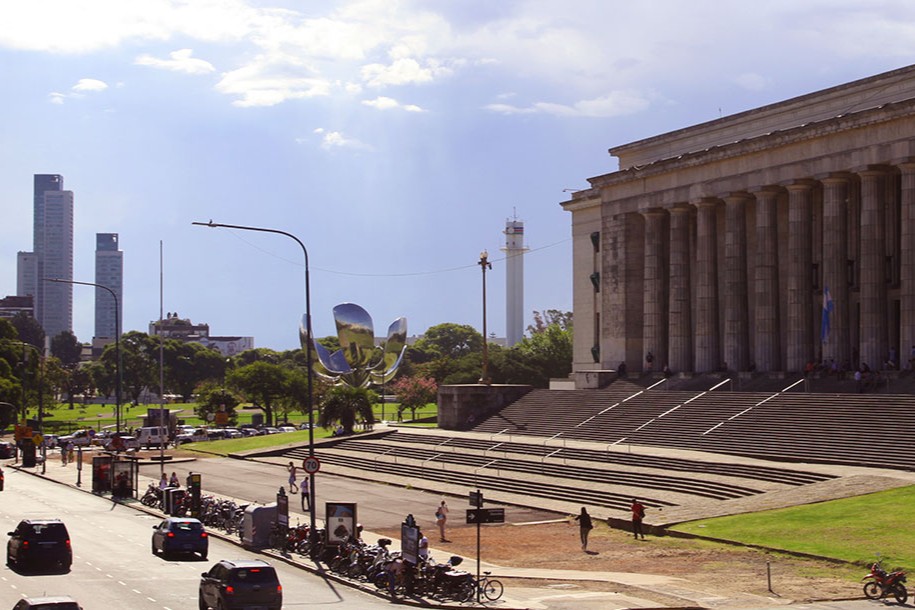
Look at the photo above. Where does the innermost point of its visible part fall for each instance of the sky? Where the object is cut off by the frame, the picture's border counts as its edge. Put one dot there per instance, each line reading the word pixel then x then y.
pixel 394 138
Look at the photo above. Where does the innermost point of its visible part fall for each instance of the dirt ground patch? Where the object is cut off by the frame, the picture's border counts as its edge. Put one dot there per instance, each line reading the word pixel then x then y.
pixel 719 569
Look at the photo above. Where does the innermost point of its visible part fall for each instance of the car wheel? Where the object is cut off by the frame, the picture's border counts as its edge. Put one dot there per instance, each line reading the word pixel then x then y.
pixel 201 604
pixel 152 547
pixel 203 556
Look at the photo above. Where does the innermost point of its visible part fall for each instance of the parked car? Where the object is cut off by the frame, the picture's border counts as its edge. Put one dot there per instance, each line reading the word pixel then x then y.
pixel 50 440
pixel 199 434
pixel 240 584
pixel 57 602
pixel 216 434
pixel 120 442
pixel 268 430
pixel 249 432
pixel 39 544
pixel 180 535
pixel 286 428
pixel 232 433
pixel 7 450
pixel 80 438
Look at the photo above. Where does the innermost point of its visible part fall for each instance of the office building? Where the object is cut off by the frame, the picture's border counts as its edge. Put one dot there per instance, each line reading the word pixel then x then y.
pixel 109 272
pixel 51 256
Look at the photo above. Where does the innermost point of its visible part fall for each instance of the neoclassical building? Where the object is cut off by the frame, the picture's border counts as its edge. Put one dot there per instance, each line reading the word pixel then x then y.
pixel 723 245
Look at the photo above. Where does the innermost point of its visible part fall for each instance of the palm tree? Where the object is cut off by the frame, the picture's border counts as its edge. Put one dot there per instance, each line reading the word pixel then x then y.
pixel 345 405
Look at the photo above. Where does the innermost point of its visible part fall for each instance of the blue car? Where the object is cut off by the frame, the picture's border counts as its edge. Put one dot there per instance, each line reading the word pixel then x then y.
pixel 180 535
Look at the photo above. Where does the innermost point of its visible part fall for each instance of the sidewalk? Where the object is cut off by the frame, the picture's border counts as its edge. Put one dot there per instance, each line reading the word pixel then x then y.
pixel 562 594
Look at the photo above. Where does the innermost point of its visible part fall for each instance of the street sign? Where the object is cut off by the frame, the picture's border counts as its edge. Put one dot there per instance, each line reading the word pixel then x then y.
pixel 485 515
pixel 476 498
pixel 311 464
pixel 38 439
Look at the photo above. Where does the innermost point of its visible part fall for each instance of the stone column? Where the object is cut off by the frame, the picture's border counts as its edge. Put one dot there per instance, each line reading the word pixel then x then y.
pixel 680 327
pixel 736 304
pixel 800 275
pixel 654 335
pixel 873 343
pixel 708 355
pixel 835 266
pixel 765 286
pixel 907 271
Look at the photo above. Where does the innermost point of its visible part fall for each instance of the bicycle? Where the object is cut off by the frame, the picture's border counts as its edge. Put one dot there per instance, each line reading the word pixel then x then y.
pixel 487 587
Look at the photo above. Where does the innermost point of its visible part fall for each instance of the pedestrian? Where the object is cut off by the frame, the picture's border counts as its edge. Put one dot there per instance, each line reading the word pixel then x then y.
pixel 395 575
pixel 584 526
pixel 63 454
pixel 423 548
pixel 173 480
pixel 163 482
pixel 638 513
pixel 293 488
pixel 441 517
pixel 70 456
pixel 306 495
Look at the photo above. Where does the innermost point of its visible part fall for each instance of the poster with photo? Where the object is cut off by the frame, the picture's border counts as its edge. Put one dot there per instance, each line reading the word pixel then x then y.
pixel 340 521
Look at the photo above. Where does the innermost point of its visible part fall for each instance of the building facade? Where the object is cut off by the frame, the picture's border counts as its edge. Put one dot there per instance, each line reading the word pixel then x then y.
pixel 763 241
pixel 109 272
pixel 51 256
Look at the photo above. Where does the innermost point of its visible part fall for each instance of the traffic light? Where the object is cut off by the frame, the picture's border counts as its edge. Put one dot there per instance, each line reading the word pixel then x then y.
pixel 193 486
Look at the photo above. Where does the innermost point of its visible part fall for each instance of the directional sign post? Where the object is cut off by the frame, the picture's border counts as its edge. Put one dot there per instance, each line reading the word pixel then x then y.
pixel 485 515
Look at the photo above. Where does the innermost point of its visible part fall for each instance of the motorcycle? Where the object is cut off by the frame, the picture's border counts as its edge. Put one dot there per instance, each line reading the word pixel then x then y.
pixel 881 583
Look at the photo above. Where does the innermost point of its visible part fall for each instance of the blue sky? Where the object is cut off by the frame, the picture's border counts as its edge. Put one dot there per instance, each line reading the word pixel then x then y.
pixel 394 138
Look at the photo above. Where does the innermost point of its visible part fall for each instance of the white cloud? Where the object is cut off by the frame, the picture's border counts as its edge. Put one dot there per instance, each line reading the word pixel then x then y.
pixel 179 61
pixel 271 80
pixel 403 71
pixel 334 139
pixel 82 87
pixel 618 103
pixel 90 84
pixel 387 103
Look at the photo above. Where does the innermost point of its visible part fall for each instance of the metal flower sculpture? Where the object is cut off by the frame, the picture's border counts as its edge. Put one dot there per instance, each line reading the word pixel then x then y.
pixel 359 361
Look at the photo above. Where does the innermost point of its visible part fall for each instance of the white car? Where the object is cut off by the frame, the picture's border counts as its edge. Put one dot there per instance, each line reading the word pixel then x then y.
pixel 286 428
pixel 80 438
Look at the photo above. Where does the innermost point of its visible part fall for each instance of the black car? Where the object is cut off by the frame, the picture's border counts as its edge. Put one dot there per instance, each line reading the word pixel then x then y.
pixel 7 450
pixel 240 584
pixel 39 544
pixel 180 535
pixel 57 602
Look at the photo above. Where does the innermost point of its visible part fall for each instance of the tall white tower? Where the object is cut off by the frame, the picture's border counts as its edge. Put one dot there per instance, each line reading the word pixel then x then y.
pixel 514 281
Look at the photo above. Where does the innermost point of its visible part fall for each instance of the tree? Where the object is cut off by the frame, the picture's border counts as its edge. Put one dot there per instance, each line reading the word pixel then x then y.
pixel 139 363
pixel 548 351
pixel 189 364
pixel 344 404
pixel 450 340
pixel 66 348
pixel 414 392
pixel 28 329
pixel 545 319
pixel 213 399
pixel 261 382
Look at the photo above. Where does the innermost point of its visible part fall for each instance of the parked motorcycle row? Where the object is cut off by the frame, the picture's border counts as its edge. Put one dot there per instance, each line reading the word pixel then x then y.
pixel 881 584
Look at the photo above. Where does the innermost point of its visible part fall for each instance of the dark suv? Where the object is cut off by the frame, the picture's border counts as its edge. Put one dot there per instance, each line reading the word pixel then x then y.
pixel 241 583
pixel 39 544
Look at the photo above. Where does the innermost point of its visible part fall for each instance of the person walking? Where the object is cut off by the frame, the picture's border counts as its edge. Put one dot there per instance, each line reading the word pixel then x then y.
pixel 638 513
pixel 584 527
pixel 306 495
pixel 293 488
pixel 173 480
pixel 441 517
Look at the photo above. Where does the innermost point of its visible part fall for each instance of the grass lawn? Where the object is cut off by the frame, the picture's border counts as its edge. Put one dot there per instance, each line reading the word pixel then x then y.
pixel 860 529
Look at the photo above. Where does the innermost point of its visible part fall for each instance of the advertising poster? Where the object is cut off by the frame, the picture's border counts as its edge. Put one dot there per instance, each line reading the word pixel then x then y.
pixel 340 521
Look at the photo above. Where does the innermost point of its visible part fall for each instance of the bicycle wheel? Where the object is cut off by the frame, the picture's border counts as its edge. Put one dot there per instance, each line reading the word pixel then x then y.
pixel 492 589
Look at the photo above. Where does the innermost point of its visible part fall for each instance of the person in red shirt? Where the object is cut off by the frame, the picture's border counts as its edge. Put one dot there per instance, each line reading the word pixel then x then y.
pixel 638 513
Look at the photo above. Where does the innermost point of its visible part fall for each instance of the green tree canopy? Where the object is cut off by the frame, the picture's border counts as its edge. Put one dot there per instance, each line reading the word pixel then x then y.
pixel 66 348
pixel 262 383
pixel 450 341
pixel 28 329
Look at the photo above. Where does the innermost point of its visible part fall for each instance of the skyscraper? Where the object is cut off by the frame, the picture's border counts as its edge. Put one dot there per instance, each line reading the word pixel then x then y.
pixel 51 256
pixel 109 272
pixel 514 281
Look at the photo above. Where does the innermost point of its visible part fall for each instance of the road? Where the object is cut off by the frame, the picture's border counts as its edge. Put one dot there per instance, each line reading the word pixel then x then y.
pixel 113 566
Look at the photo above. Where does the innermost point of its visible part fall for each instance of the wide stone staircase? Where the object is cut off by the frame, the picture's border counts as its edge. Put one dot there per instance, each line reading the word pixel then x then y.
pixel 683 453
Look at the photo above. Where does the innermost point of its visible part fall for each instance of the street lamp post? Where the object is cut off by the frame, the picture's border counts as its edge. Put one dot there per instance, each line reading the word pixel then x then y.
pixel 484 265
pixel 117 344
pixel 308 363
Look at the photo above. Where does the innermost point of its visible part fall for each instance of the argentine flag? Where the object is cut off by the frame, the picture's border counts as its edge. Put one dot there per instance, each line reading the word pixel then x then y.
pixel 827 312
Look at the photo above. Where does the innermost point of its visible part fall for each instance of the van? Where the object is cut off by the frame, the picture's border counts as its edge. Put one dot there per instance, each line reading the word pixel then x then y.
pixel 153 437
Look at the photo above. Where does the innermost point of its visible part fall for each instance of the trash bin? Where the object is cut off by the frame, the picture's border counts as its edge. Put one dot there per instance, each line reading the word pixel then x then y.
pixel 28 454
pixel 256 525
pixel 173 497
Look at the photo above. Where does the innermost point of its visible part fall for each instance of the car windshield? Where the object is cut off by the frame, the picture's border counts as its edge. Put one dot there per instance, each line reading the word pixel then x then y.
pixel 254 575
